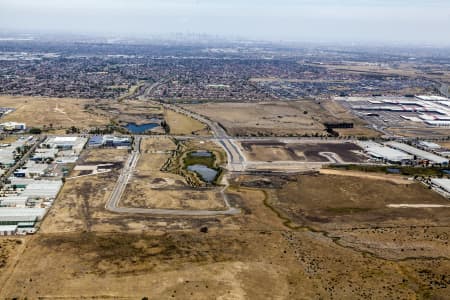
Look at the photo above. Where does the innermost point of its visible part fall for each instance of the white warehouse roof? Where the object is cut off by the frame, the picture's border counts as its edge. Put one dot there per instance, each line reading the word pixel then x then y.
pixel 442 183
pixel 419 153
pixel 21 214
pixel 46 190
pixel 381 151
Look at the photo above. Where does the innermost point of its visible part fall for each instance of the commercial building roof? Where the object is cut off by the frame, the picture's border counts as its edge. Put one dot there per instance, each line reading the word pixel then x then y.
pixel 65 139
pixel 383 152
pixel 429 145
pixel 436 159
pixel 438 123
pixel 431 98
pixel 13 201
pixel 442 183
pixel 8 228
pixel 21 214
pixel 44 190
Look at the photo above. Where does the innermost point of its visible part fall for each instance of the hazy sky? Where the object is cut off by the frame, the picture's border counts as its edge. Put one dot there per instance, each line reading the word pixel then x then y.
pixel 399 21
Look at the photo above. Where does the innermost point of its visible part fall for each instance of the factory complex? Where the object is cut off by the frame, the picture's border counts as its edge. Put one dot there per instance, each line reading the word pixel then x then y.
pixel 35 171
pixel 110 141
pixel 443 184
pixel 402 153
pixel 432 111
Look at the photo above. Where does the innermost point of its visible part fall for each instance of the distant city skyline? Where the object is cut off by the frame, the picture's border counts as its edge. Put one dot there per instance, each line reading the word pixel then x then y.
pixel 364 21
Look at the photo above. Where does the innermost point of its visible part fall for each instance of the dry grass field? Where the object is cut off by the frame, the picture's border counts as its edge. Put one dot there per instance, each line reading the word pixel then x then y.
pixel 276 118
pixel 350 203
pixel 445 144
pixel 53 113
pixel 171 258
pixel 127 111
pixel 183 125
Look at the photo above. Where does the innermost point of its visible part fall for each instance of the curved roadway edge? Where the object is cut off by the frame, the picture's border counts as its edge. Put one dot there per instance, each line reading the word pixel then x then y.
pixel 127 172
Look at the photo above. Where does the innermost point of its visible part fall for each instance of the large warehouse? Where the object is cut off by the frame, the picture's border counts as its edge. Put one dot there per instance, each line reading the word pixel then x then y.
pixel 442 183
pixel 385 153
pixel 433 158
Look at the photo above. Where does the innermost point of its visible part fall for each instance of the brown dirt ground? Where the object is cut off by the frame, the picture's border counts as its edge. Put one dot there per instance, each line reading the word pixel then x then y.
pixel 60 112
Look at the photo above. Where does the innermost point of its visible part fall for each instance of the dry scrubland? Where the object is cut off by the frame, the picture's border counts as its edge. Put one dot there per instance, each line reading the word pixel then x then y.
pixel 58 113
pixel 152 188
pixel 280 118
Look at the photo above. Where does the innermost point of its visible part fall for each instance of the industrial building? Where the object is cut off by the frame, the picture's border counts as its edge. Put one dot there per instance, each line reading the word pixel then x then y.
pixel 42 189
pixel 442 183
pixel 433 158
pixel 27 195
pixel 384 153
pixel 14 201
pixel 32 169
pixel 71 145
pixel 110 141
pixel 43 154
pixel 8 230
pixel 433 111
pixel 8 152
pixel 21 216
pixel 429 145
pixel 13 126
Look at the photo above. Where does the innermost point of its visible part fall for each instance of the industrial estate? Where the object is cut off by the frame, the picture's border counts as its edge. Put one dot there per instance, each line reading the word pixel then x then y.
pixel 198 173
